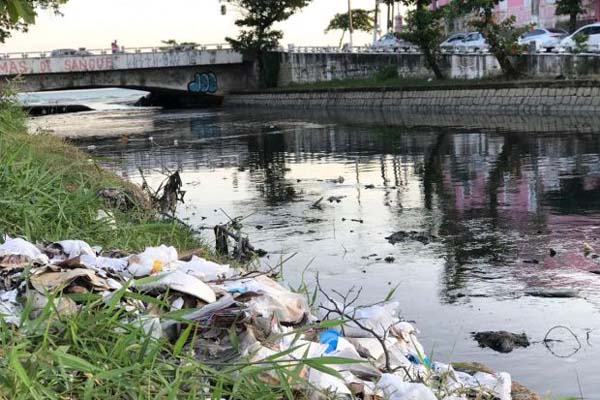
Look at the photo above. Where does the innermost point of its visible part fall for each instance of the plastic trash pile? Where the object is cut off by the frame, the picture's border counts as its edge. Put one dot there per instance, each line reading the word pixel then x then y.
pixel 383 357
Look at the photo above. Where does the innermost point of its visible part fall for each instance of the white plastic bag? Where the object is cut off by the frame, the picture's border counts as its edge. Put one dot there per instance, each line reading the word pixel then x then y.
pixel 152 261
pixel 395 388
pixel 205 270
pixel 180 281
pixel 498 384
pixel 275 300
pixel 18 246
pixel 76 248
pixel 10 309
pixel 378 318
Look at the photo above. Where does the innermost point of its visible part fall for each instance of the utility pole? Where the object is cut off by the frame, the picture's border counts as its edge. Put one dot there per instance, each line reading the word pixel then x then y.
pixel 376 21
pixel 350 27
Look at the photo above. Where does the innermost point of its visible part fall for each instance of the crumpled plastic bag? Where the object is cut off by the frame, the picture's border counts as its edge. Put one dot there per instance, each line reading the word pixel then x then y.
pixel 205 270
pixel 499 384
pixel 329 383
pixel 371 347
pixel 10 309
pixel 275 300
pixel 409 344
pixel 180 281
pixel 115 265
pixel 18 246
pixel 152 261
pixel 76 248
pixel 395 388
pixel 379 318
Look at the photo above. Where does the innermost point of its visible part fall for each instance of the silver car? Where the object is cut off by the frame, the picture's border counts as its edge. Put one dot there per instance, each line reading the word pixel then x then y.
pixel 391 42
pixel 70 52
pixel 543 38
pixel 474 41
pixel 452 40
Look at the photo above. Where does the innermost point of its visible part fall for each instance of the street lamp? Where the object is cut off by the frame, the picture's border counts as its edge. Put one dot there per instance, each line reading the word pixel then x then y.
pixel 376 21
pixel 350 27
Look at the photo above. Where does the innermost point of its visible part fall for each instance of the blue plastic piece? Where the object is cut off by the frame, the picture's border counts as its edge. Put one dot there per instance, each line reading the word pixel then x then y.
pixel 329 337
pixel 415 360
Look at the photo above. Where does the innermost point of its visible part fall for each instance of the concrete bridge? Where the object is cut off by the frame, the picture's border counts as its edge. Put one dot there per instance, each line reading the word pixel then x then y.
pixel 174 76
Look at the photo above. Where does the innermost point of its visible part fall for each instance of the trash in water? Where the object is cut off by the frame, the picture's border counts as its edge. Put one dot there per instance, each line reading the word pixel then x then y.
pixel 501 341
pixel 402 236
pixel 553 293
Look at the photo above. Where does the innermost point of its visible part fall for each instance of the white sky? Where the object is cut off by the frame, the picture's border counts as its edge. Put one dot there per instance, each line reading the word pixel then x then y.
pixel 135 23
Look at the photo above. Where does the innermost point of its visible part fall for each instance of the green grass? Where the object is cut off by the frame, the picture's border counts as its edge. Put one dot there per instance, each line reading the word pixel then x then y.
pixel 96 354
pixel 49 193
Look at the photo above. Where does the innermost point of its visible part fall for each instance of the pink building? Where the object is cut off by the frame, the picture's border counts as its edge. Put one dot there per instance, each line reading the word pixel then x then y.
pixel 539 12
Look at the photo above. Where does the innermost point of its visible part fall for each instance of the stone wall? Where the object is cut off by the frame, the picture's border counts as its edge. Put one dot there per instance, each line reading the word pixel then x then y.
pixel 530 97
pixel 505 122
pixel 315 67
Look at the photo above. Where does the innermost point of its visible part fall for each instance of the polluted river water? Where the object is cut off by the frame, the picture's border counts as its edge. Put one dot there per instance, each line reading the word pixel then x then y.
pixel 498 223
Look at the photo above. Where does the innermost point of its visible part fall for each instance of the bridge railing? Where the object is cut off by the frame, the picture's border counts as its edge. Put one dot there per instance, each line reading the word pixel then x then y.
pixel 83 52
pixel 355 49
pixel 592 50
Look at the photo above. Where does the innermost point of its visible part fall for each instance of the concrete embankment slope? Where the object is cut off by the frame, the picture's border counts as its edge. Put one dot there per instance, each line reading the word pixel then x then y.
pixel 561 96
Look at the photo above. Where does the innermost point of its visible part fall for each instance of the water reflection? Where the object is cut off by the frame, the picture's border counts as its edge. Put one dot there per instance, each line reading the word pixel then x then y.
pixel 498 201
pixel 495 200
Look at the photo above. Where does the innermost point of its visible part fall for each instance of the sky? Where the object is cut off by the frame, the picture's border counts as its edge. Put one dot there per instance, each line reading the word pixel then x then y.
pixel 94 24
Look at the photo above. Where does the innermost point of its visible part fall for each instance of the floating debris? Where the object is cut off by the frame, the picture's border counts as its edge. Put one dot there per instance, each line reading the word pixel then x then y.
pixel 402 236
pixel 501 341
pixel 553 293
pixel 337 199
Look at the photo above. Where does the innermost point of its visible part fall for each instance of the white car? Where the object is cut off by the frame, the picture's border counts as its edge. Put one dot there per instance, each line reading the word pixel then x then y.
pixel 452 40
pixel 592 32
pixel 391 42
pixel 543 38
pixel 474 41
pixel 70 52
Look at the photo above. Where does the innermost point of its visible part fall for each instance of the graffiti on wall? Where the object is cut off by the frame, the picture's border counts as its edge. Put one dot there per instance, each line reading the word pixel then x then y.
pixel 204 82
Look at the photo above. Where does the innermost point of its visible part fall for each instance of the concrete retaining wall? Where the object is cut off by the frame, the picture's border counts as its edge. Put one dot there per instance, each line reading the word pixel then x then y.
pixel 506 122
pixel 539 97
pixel 313 67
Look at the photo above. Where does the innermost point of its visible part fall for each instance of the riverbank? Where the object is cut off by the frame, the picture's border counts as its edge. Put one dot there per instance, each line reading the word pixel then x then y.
pixel 558 96
pixel 50 192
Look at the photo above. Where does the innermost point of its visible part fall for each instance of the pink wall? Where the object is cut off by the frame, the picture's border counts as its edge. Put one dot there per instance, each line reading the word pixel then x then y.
pixel 546 16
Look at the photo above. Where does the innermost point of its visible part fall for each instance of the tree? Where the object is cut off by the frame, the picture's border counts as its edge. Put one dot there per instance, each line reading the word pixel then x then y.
pixel 423 27
pixel 17 15
pixel 175 45
pixel 501 37
pixel 257 35
pixel 390 13
pixel 572 8
pixel 361 21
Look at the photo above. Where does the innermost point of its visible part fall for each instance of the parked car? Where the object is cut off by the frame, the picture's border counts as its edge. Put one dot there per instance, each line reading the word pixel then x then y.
pixel 391 42
pixel 63 53
pixel 70 52
pixel 543 38
pixel 452 40
pixel 474 41
pixel 592 32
